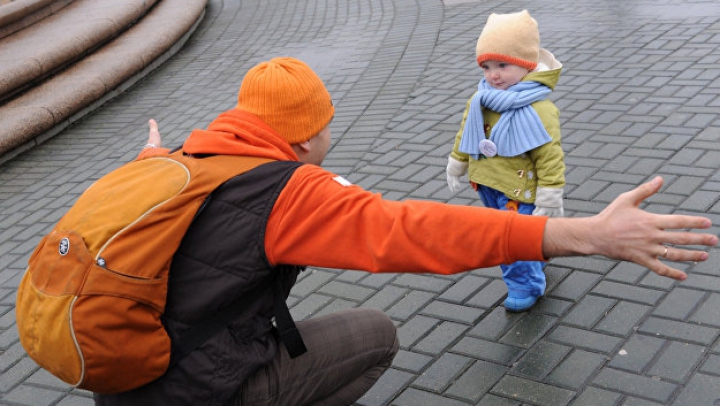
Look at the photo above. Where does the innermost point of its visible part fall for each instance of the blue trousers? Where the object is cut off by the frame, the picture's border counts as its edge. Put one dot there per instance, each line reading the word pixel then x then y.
pixel 522 278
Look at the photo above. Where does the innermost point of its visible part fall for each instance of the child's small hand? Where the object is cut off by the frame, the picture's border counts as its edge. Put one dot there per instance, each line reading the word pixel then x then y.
pixel 455 169
pixel 548 202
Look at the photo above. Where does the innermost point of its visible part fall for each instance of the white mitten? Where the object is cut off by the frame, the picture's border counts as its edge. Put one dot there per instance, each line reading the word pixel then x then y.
pixel 455 169
pixel 548 202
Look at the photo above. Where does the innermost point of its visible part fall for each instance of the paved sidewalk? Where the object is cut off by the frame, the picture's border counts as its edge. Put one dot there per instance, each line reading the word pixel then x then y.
pixel 638 97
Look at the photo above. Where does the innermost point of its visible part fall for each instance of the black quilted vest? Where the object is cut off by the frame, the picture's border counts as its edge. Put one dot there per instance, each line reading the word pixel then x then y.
pixel 222 260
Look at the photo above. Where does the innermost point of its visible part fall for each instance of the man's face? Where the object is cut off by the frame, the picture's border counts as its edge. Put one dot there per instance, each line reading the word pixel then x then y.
pixel 319 146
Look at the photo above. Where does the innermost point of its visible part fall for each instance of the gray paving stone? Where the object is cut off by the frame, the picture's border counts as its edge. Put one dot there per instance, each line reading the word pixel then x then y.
pixel 413 397
pixel 392 383
pixel 625 272
pixel 632 401
pixel 410 304
pixel 701 390
pixel 476 381
pixel 628 292
pixel 612 379
pixel 492 400
pixel 623 319
pixel 384 298
pixel 411 361
pixel 33 396
pixel 679 303
pixel 596 397
pixel 540 360
pixel 489 295
pixel 677 362
pixel 422 282
pixel 678 330
pixel 463 289
pixel 589 311
pixel 575 285
pixel 584 339
pixel 712 365
pixel 528 330
pixel 73 400
pixel 575 370
pixel 494 324
pixel 453 312
pixel 637 353
pixel 415 328
pixel 532 392
pixel 17 373
pixel 487 350
pixel 440 339
pixel 442 373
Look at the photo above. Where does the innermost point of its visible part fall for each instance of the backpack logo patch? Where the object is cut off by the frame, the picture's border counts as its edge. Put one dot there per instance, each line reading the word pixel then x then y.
pixel 64 247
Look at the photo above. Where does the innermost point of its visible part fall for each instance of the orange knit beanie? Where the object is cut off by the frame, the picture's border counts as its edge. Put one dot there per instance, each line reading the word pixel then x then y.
pixel 288 96
pixel 511 38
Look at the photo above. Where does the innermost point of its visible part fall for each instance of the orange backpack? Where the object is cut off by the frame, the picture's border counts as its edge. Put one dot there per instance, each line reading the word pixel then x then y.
pixel 89 305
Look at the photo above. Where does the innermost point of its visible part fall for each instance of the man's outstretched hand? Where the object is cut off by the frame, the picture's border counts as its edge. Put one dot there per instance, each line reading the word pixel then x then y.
pixel 154 139
pixel 624 231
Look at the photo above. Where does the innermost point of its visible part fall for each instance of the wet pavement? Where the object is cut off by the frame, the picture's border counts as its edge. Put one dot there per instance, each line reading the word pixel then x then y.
pixel 638 98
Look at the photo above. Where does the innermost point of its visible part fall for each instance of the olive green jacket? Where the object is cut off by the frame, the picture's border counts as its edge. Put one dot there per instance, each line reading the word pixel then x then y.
pixel 519 177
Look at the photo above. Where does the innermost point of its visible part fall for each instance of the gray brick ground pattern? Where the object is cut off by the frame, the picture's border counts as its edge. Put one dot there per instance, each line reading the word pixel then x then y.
pixel 639 96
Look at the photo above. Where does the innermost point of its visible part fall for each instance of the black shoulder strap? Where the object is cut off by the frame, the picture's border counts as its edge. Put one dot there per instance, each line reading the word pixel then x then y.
pixel 289 334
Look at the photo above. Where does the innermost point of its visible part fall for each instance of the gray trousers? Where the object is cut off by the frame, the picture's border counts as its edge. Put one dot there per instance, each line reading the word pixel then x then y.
pixel 347 353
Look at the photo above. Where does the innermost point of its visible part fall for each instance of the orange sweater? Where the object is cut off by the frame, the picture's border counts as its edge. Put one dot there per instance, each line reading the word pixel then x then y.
pixel 317 221
pixel 320 220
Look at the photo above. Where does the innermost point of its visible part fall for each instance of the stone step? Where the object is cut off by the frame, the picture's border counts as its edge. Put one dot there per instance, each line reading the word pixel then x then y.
pixel 72 61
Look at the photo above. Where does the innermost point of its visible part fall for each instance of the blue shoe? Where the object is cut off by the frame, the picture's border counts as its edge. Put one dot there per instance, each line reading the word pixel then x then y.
pixel 515 304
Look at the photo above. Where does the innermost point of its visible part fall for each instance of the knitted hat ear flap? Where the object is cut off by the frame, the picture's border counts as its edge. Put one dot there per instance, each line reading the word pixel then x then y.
pixel 511 38
pixel 288 96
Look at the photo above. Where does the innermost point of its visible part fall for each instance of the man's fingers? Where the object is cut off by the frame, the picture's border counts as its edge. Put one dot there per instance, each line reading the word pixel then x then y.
pixel 679 222
pixel 683 255
pixel 664 270
pixel 642 192
pixel 154 135
pixel 708 240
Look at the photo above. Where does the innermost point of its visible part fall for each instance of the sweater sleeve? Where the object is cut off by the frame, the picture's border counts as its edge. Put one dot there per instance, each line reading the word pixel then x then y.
pixel 321 220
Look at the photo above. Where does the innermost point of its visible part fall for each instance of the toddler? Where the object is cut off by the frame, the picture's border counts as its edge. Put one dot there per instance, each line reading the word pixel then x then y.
pixel 509 138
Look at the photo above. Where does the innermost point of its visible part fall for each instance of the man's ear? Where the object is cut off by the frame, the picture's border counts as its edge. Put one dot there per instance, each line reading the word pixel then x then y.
pixel 301 149
pixel 304 146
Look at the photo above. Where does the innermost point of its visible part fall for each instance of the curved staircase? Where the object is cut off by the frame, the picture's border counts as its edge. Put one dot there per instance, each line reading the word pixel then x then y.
pixel 60 59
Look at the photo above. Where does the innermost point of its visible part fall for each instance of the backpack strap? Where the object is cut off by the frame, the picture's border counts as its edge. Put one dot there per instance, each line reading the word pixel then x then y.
pixel 289 334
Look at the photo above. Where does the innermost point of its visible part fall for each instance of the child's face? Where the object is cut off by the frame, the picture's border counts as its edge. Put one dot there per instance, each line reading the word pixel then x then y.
pixel 502 75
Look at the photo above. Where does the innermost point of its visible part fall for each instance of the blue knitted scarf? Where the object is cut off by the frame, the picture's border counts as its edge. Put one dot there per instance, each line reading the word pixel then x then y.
pixel 519 128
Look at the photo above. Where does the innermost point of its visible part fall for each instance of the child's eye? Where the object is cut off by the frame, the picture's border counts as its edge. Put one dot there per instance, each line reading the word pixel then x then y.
pixel 502 65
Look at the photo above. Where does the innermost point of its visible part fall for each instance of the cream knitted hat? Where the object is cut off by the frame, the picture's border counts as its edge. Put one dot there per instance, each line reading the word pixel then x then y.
pixel 511 38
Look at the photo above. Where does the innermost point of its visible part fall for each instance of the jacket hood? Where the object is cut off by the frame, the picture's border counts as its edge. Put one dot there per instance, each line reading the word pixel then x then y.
pixel 237 132
pixel 548 70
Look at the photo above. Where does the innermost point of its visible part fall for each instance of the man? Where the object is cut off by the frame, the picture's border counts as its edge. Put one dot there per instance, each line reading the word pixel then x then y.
pixel 270 222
